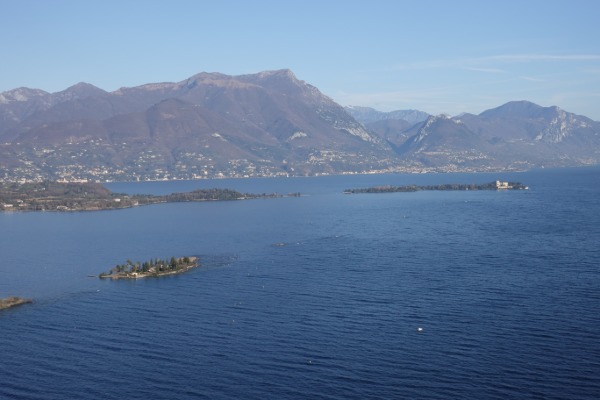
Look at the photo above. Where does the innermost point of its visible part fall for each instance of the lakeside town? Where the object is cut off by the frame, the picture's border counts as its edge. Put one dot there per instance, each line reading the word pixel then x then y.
pixel 78 163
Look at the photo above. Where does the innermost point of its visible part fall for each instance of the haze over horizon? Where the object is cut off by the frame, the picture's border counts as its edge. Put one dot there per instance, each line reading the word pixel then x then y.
pixel 433 56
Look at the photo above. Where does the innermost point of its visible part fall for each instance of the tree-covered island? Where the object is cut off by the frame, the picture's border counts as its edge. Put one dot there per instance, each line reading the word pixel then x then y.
pixel 59 196
pixel 153 268
pixel 497 185
pixel 13 302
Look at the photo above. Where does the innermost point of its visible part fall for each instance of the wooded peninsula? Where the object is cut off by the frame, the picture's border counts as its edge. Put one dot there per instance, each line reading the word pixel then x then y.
pixel 153 268
pixel 497 185
pixel 58 196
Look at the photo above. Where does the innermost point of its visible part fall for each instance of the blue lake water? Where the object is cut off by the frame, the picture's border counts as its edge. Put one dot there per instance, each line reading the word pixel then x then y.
pixel 319 296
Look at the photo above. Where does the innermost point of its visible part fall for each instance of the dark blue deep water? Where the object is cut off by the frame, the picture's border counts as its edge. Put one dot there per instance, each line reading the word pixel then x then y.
pixel 316 297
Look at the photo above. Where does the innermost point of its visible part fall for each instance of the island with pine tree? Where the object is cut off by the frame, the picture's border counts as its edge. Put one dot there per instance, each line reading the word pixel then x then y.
pixel 153 268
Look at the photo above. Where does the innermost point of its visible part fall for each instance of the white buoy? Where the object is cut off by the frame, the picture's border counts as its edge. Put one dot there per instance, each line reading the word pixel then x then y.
pixel 419 329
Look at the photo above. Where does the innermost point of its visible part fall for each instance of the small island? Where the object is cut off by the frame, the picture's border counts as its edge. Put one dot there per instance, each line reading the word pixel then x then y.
pixel 13 302
pixel 152 268
pixel 497 185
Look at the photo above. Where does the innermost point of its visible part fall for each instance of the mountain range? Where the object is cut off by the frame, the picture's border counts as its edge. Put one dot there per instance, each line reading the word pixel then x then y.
pixel 266 124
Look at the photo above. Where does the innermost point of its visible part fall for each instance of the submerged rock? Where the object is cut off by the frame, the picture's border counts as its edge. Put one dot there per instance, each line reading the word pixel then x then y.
pixel 12 302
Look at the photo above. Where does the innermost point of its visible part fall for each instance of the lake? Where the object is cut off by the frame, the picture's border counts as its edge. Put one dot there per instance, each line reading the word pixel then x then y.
pixel 319 296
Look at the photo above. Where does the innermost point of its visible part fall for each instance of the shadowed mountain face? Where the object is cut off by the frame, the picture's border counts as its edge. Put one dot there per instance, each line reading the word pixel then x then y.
pixel 266 124
pixel 208 125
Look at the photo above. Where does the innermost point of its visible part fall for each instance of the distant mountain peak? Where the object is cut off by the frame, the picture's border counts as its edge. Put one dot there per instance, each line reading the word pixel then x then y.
pixel 207 76
pixel 276 77
pixel 367 115
pixel 21 94
pixel 81 86
pixel 435 119
pixel 555 124
pixel 520 108
pixel 278 72
pixel 80 90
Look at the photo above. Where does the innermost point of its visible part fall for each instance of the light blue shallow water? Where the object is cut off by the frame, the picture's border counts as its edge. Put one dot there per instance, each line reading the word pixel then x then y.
pixel 313 297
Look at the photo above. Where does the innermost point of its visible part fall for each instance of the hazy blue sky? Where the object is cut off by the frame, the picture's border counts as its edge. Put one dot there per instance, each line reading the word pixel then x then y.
pixel 436 56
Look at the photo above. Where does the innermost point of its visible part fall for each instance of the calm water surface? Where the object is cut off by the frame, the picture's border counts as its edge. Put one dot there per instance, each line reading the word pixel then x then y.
pixel 319 296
